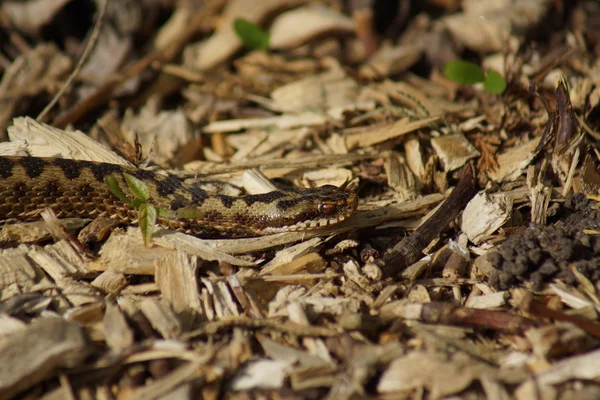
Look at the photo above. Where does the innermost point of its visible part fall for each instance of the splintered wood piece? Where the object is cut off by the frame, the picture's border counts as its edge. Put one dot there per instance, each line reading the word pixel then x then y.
pixel 161 317
pixel 170 128
pixel 286 121
pixel 385 132
pixel 299 26
pixel 176 278
pixel 110 282
pixel 224 42
pixel 400 178
pixel 484 214
pixel 167 386
pixel 432 373
pixel 309 263
pixel 41 140
pixel 117 333
pixel 390 60
pixel 540 199
pixel 514 161
pixel 39 352
pixel 331 91
pixel 289 254
pixel 453 150
pixel 30 74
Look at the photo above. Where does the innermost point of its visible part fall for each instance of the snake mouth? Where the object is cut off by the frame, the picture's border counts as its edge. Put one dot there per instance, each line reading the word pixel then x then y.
pixel 306 225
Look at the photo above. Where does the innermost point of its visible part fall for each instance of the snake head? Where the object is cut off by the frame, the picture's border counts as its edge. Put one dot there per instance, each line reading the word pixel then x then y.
pixel 336 202
pixel 307 209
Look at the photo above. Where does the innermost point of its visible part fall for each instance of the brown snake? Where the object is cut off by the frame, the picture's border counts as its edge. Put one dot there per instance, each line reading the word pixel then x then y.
pixel 79 189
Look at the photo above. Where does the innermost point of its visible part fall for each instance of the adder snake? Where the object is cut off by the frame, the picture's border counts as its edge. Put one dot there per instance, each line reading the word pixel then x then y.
pixel 79 189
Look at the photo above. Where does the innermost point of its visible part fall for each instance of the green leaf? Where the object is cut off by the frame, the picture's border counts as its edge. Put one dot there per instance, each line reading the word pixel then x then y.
pixel 188 212
pixel 494 82
pixel 147 220
pixel 251 34
pixel 115 189
pixel 166 213
pixel 464 72
pixel 137 187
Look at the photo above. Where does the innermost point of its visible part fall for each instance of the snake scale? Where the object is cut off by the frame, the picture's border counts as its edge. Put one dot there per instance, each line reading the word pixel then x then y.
pixel 74 188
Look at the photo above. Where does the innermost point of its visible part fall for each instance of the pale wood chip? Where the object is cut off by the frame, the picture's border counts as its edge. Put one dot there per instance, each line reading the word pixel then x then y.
pixel 255 182
pixel 260 374
pixel 327 176
pixel 8 327
pixel 117 333
pixel 432 374
pixel 223 302
pixel 46 141
pixel 585 366
pixel 33 72
pixel 161 317
pixel 400 178
pixel 289 254
pixel 570 297
pixel 224 42
pixel 485 26
pixel 59 261
pixel 110 281
pixel 385 132
pixel 309 263
pixel 454 150
pixel 167 385
pixel 332 91
pixel 289 355
pixel 176 278
pixel 327 305
pixel 484 215
pixel 39 352
pixel 512 162
pixel 202 168
pixel 414 159
pixel 540 199
pixel 494 300
pixel 390 60
pixel 27 16
pixel 297 314
pixel 267 144
pixel 558 339
pixel 90 316
pixel 108 55
pixel 38 231
pixel 202 248
pixel 287 121
pixel 16 268
pixel 160 132
pixel 126 254
pixel 300 26
pixel 304 378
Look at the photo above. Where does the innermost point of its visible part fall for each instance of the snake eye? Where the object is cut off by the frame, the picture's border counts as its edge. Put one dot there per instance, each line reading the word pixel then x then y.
pixel 327 208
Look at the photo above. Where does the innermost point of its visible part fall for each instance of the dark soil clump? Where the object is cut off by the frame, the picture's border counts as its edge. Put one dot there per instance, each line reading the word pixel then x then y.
pixel 544 253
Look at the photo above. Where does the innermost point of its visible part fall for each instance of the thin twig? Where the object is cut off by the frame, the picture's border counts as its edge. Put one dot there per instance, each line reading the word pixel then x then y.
pixel 86 53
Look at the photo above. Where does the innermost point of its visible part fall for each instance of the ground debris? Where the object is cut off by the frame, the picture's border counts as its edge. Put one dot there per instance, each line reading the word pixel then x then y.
pixel 469 270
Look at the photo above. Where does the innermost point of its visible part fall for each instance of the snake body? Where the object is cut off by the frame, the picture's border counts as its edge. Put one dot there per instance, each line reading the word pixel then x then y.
pixel 74 188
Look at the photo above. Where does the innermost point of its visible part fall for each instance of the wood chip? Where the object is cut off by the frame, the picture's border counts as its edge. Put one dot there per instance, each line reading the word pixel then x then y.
pixel 38 352
pixel 299 26
pixel 386 132
pixel 514 161
pixel 453 150
pixel 484 215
